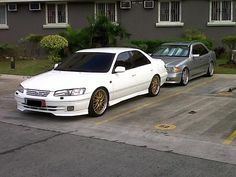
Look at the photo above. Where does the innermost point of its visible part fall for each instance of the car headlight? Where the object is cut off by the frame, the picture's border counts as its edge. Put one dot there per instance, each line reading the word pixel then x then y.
pixel 173 69
pixel 20 89
pixel 70 92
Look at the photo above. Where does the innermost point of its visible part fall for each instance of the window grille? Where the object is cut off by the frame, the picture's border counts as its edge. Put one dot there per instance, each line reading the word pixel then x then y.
pixel 2 14
pixel 56 13
pixel 221 10
pixel 170 11
pixel 106 9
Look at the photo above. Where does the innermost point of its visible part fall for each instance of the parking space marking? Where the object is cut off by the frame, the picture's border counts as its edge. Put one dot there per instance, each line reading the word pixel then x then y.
pixel 165 126
pixel 230 139
pixel 153 103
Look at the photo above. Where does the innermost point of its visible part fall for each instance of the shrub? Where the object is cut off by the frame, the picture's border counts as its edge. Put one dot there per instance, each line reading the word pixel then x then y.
pixel 34 38
pixel 230 41
pixel 54 44
pixel 196 35
pixel 146 45
pixel 74 39
pixel 219 51
pixel 30 45
pixel 7 50
pixel 101 32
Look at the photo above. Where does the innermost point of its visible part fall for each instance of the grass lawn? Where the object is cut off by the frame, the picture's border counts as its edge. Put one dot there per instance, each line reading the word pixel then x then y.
pixel 223 69
pixel 25 67
pixel 30 67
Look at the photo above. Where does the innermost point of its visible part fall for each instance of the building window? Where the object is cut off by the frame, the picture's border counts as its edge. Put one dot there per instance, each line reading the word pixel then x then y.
pixel 56 15
pixel 169 13
pixel 106 9
pixel 3 17
pixel 221 13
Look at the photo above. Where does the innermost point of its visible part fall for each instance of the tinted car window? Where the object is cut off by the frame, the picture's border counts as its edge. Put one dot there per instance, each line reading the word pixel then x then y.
pixel 124 59
pixel 88 62
pixel 199 49
pixel 138 59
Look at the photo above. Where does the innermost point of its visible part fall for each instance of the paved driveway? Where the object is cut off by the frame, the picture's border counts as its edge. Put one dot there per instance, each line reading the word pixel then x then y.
pixel 197 120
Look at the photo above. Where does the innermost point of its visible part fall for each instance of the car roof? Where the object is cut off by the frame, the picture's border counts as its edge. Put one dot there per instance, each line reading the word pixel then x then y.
pixel 108 49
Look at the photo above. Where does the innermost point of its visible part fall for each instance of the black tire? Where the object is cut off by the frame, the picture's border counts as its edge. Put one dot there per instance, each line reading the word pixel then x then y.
pixel 155 86
pixel 185 77
pixel 210 70
pixel 98 102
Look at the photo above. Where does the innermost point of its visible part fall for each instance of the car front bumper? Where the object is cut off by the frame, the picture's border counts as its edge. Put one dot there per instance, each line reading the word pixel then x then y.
pixel 58 106
pixel 174 78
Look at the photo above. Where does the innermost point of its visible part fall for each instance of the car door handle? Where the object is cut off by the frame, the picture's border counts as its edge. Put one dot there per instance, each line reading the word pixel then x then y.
pixel 133 75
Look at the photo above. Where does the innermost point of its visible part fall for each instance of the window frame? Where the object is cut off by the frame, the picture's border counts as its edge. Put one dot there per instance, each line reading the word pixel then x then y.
pixel 108 2
pixel 56 24
pixel 4 25
pixel 221 22
pixel 169 22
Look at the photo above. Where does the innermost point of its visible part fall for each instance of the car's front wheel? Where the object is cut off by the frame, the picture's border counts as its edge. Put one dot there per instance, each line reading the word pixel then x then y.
pixel 154 87
pixel 185 77
pixel 98 102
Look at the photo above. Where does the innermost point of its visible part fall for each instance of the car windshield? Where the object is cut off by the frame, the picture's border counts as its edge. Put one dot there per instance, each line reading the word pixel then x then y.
pixel 172 51
pixel 87 62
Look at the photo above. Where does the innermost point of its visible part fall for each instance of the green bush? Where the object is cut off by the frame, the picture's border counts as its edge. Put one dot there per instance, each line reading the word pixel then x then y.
pixel 35 38
pixel 146 45
pixel 54 44
pixel 74 39
pixel 196 35
pixel 7 50
pixel 230 41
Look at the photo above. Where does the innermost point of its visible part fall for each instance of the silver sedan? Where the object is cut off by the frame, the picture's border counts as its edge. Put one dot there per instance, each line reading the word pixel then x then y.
pixel 186 60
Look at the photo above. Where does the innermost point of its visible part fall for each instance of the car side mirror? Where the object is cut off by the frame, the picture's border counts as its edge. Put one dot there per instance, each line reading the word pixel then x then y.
pixel 196 55
pixel 56 65
pixel 120 69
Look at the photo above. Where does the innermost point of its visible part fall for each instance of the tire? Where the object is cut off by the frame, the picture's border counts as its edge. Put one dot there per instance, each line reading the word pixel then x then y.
pixel 154 87
pixel 185 77
pixel 210 70
pixel 98 102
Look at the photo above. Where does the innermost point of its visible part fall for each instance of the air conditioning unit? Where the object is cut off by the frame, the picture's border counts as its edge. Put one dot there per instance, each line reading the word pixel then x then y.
pixel 34 6
pixel 125 4
pixel 148 4
pixel 12 7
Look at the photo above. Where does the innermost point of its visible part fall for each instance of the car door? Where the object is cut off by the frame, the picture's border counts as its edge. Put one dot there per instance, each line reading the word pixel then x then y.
pixel 123 82
pixel 199 59
pixel 142 70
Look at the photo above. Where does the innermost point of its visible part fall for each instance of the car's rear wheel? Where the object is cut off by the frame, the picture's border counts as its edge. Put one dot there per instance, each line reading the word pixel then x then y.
pixel 98 102
pixel 185 77
pixel 154 87
pixel 210 70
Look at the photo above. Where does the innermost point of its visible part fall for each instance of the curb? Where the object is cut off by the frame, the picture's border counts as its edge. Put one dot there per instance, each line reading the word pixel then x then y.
pixel 7 76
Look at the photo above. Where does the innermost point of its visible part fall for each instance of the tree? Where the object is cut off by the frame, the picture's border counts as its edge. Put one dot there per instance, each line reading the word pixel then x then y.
pixel 100 32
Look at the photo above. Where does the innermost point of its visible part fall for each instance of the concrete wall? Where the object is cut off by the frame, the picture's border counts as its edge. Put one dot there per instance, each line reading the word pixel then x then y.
pixel 140 22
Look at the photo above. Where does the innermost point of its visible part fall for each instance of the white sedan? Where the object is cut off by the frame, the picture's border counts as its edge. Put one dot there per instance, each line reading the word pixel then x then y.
pixel 90 81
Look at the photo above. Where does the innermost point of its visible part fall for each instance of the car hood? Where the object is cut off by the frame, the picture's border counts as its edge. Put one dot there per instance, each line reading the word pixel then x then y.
pixel 58 80
pixel 172 61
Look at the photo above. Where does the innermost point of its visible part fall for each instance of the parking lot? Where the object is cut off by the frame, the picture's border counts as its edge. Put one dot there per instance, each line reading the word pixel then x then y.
pixel 198 120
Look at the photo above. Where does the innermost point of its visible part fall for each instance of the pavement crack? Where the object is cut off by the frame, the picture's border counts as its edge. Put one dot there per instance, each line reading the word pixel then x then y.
pixel 33 143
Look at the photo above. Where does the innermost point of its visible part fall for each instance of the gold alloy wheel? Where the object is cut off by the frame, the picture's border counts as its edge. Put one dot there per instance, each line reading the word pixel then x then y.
pixel 100 101
pixel 155 85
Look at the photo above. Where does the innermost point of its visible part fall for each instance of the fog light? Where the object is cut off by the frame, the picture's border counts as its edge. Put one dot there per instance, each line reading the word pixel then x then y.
pixel 70 108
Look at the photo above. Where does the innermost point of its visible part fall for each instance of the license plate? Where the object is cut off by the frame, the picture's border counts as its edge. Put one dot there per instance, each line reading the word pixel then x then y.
pixel 35 103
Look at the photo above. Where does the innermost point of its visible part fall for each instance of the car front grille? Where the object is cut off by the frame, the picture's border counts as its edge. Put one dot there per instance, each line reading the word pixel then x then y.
pixel 39 93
